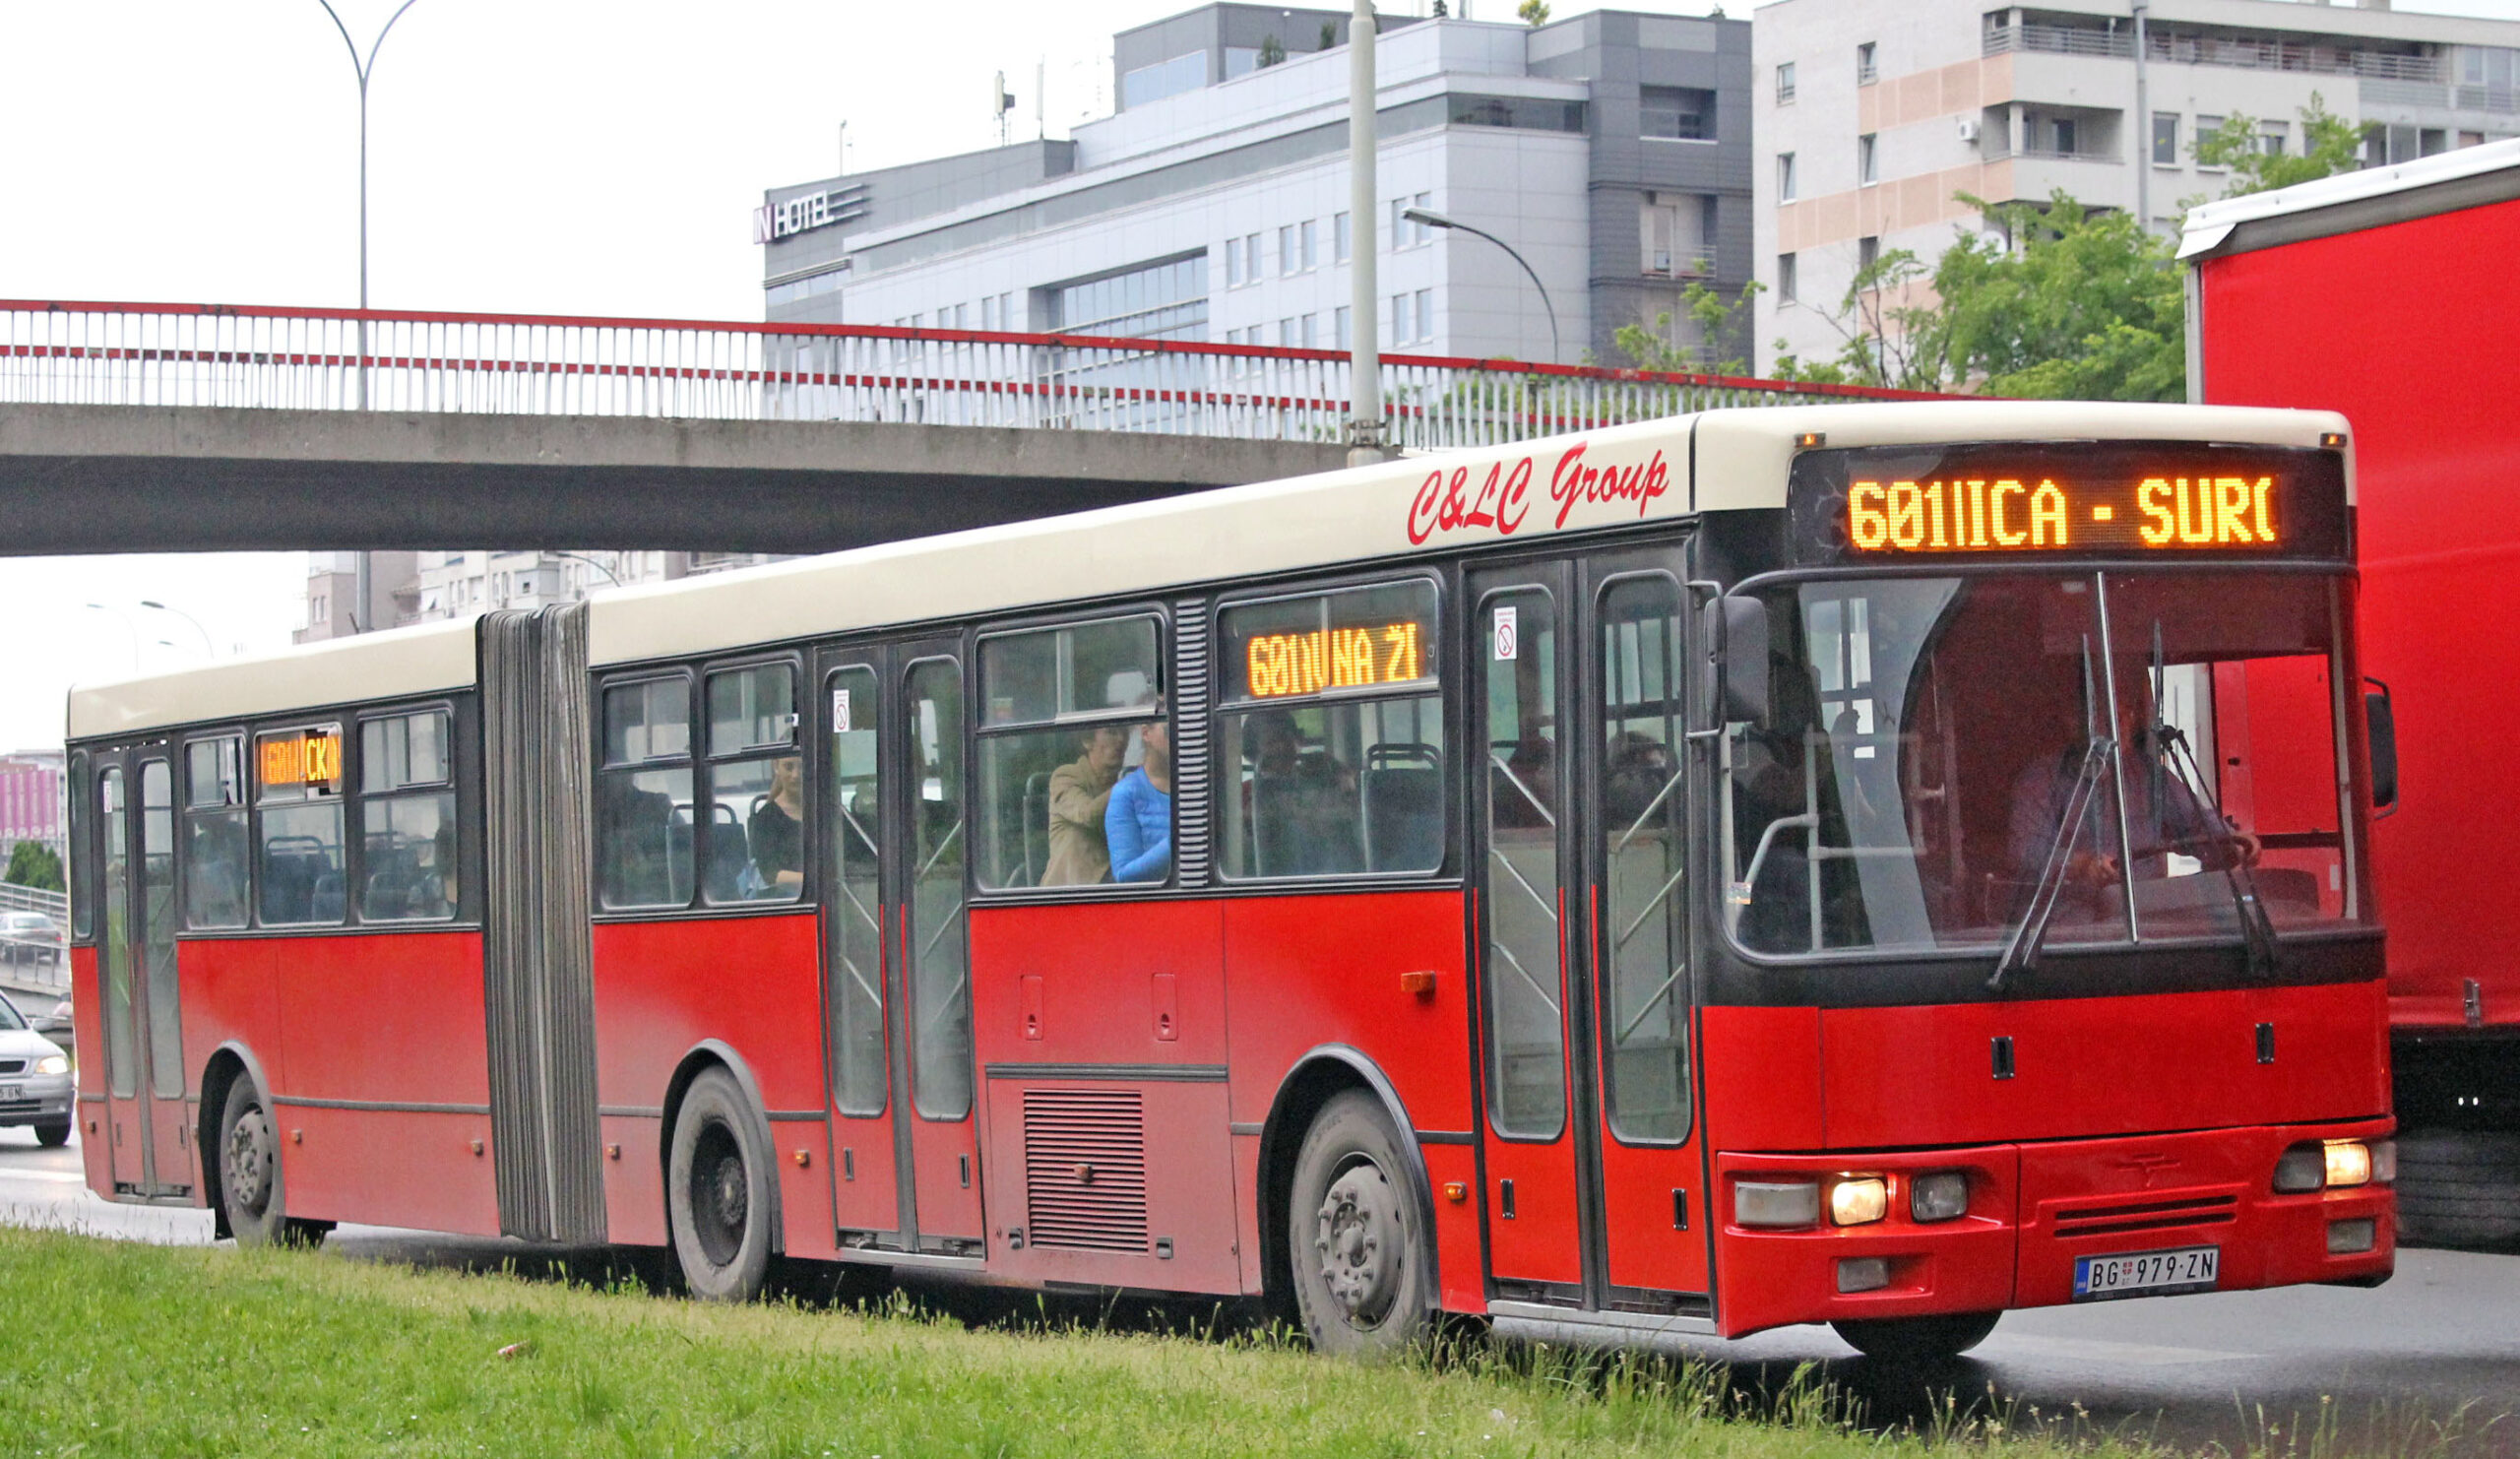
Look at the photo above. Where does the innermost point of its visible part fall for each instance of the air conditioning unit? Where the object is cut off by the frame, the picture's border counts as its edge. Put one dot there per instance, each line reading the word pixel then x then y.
pixel 1661 261
pixel 1968 129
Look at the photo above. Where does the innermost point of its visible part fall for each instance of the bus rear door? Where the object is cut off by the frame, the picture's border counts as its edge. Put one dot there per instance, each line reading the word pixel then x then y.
pixel 1579 830
pixel 150 1151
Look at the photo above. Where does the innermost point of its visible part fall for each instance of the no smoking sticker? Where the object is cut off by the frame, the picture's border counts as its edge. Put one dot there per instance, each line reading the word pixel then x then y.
pixel 1506 640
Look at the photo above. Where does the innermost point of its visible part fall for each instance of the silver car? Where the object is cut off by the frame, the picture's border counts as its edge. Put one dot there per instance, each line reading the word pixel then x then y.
pixel 34 1080
pixel 30 939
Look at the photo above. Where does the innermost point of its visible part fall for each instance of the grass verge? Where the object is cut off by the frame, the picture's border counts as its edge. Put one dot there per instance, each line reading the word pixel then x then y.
pixel 124 1349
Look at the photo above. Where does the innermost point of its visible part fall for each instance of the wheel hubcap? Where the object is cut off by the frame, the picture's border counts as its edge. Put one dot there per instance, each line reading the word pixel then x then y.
pixel 721 1193
pixel 1357 1244
pixel 249 1162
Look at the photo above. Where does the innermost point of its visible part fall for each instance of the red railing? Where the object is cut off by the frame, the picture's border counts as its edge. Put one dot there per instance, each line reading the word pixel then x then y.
pixel 255 356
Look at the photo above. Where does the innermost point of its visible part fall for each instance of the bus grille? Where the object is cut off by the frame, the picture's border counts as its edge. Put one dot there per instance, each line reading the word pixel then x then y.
pixel 2119 1215
pixel 1085 1168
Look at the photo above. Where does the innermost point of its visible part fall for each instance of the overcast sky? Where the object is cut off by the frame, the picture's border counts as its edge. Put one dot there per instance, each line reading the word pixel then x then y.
pixel 524 156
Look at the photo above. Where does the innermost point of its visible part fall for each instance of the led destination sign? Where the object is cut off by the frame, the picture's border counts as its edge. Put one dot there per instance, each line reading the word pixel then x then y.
pixel 1283 663
pixel 311 759
pixel 2111 499
pixel 2010 515
pixel 1349 639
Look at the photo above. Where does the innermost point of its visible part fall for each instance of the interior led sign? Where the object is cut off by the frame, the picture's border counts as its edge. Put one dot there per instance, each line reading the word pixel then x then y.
pixel 311 758
pixel 1283 663
pixel 2032 513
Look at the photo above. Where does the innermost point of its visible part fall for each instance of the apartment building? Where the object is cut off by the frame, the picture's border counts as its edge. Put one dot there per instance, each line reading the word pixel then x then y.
pixel 1872 116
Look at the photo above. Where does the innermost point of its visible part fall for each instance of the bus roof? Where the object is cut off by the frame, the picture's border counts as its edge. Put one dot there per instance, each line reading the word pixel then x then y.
pixel 1719 461
pixel 2442 183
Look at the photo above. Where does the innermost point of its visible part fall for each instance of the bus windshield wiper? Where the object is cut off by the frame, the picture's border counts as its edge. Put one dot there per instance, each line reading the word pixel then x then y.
pixel 2021 950
pixel 2172 755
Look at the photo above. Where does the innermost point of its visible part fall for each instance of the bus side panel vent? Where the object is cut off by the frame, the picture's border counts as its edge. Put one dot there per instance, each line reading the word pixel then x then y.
pixel 1193 688
pixel 1085 1168
pixel 536 964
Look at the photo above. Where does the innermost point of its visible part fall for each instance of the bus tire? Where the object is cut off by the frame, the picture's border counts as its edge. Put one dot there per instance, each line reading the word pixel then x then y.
pixel 1356 1233
pixel 54 1136
pixel 1934 1339
pixel 251 1189
pixel 718 1191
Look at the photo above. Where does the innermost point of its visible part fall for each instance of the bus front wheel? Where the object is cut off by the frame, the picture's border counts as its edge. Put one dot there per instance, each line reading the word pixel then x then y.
pixel 1918 1339
pixel 250 1189
pixel 1356 1232
pixel 719 1189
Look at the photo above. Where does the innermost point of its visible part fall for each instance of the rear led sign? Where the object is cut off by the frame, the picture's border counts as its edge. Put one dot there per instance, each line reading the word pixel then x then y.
pixel 2165 511
pixel 313 759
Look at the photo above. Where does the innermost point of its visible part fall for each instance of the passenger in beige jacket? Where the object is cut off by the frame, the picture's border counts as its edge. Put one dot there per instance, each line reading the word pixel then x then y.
pixel 1079 793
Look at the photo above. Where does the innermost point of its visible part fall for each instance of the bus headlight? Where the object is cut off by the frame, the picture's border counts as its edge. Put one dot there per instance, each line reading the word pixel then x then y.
pixel 1941 1196
pixel 53 1063
pixel 1776 1202
pixel 1858 1202
pixel 2349 1162
pixel 2304 1168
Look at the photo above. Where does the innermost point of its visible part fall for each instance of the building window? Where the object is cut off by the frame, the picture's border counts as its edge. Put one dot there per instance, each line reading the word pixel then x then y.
pixel 2206 126
pixel 1402 329
pixel 1785 278
pixel 1677 231
pixel 1865 71
pixel 1307 244
pixel 1677 113
pixel 2064 131
pixel 1286 251
pixel 2166 139
pixel 1784 84
pixel 1234 263
pixel 1404 232
pixel 1868 159
pixel 1868 254
pixel 1784 178
pixel 1340 241
pixel 2271 137
pixel 1312 332
pixel 1426 314
pixel 1285 334
pixel 1157 301
pixel 1342 324
pixel 1251 258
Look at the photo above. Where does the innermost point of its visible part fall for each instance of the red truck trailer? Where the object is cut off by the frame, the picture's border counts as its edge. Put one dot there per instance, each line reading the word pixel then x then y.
pixel 2391 295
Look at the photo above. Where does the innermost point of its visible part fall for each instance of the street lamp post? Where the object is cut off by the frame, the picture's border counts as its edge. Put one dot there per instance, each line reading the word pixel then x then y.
pixel 365 67
pixel 1434 219
pixel 207 648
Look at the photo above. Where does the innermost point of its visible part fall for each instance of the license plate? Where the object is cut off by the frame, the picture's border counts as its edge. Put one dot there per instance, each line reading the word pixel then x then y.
pixel 13 1091
pixel 2146 1273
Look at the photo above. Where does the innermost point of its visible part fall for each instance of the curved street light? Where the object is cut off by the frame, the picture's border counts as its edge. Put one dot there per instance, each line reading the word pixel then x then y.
pixel 208 649
pixel 1434 219
pixel 365 67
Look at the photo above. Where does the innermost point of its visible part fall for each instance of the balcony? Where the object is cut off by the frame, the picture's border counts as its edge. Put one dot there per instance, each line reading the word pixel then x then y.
pixel 1681 263
pixel 2058 40
pixel 2274 55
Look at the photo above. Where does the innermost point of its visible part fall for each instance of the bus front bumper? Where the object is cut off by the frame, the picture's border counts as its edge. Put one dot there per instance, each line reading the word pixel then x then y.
pixel 2041 1225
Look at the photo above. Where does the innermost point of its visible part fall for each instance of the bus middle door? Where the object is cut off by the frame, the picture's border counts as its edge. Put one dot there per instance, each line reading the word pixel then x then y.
pixel 151 1147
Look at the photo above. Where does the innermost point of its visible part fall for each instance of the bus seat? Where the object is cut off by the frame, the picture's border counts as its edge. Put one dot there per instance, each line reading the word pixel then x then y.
pixel 328 900
pixel 730 851
pixel 1037 827
pixel 1404 817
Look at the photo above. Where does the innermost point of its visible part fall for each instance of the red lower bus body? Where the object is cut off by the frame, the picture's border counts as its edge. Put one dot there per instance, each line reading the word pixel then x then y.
pixel 2129 1123
pixel 2397 325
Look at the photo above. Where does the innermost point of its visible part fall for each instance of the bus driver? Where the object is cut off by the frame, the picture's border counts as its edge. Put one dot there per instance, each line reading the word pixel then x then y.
pixel 2164 813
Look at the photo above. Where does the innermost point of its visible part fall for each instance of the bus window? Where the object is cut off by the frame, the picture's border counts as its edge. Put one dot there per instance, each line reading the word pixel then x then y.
pixel 642 796
pixel 79 866
pixel 1525 895
pixel 300 872
pixel 857 809
pixel 406 818
pixel 1069 711
pixel 122 1034
pixel 2227 686
pixel 756 841
pixel 157 927
pixel 1332 732
pixel 216 846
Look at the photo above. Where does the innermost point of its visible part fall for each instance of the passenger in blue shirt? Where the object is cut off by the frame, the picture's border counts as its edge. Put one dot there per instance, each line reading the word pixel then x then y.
pixel 1139 823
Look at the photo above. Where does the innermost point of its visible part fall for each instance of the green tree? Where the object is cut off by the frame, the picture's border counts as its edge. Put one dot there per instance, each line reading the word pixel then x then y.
pixel 2056 303
pixel 2078 305
pixel 1533 12
pixel 2329 145
pixel 34 864
pixel 1271 50
pixel 1721 322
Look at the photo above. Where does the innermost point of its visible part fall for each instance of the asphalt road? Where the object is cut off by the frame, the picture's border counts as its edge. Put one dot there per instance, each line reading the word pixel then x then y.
pixel 2428 1364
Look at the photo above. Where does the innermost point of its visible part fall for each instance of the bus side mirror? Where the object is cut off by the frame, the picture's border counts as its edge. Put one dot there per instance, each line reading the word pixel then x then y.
pixel 2381 722
pixel 1736 642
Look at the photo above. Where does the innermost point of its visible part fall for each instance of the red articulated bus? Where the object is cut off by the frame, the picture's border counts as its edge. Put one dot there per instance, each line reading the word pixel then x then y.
pixel 1770 867
pixel 2373 293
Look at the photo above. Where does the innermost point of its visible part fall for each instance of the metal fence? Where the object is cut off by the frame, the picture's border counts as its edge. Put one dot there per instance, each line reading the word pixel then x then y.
pixel 34 959
pixel 330 359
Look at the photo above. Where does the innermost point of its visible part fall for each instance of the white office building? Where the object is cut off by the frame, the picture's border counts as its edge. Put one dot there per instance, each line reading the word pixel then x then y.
pixel 1871 116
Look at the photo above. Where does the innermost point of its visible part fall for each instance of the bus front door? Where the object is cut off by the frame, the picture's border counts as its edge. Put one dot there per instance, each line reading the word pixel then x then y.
pixel 149 1145
pixel 1579 852
pixel 897 978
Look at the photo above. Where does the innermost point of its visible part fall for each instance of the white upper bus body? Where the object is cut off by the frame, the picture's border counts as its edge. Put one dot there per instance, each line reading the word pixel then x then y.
pixel 1719 461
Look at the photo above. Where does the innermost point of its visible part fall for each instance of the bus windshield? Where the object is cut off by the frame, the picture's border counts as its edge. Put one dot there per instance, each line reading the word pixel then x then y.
pixel 1925 737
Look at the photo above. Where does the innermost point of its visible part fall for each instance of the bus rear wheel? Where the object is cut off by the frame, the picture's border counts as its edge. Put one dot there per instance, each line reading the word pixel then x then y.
pixel 250 1190
pixel 719 1191
pixel 1934 1339
pixel 1356 1236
